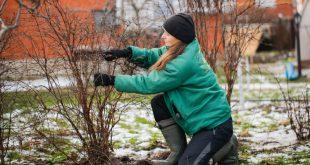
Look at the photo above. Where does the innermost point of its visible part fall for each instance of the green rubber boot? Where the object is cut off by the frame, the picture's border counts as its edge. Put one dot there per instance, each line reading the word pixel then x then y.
pixel 175 139
pixel 228 154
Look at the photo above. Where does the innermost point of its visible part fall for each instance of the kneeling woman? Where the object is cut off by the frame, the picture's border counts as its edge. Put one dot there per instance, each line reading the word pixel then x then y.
pixel 191 102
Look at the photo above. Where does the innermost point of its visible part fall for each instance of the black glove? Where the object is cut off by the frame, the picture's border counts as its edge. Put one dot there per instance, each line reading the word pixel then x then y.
pixel 117 53
pixel 101 79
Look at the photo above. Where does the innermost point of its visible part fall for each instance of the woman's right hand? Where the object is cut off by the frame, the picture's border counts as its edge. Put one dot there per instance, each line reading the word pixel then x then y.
pixel 113 54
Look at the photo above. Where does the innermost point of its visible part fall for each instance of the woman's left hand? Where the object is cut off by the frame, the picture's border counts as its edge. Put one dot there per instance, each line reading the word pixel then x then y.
pixel 101 79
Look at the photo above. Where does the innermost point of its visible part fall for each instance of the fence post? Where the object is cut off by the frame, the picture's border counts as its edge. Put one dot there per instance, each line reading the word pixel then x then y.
pixel 240 85
pixel 247 71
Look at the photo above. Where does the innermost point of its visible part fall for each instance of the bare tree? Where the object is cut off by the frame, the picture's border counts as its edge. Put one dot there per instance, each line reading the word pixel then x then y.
pixel 90 112
pixel 241 30
pixel 8 99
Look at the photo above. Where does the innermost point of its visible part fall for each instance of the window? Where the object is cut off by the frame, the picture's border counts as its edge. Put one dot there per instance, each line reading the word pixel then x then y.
pixel 265 3
pixel 104 19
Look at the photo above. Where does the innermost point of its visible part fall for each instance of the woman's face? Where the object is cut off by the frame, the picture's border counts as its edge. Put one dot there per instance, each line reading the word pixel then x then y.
pixel 168 39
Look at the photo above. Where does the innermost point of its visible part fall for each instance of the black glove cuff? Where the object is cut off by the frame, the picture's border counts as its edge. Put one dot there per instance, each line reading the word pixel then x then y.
pixel 111 80
pixel 128 52
pixel 103 79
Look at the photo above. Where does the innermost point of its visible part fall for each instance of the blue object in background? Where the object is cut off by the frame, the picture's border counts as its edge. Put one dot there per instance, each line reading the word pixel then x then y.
pixel 290 72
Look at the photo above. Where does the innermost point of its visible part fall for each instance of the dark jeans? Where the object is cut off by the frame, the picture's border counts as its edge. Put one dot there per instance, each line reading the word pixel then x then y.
pixel 160 110
pixel 204 144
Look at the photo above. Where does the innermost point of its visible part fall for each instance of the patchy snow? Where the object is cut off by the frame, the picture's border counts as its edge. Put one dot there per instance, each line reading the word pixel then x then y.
pixel 25 85
pixel 259 119
pixel 260 157
pixel 261 82
pixel 270 140
pixel 261 138
pixel 271 85
pixel 134 137
pixel 266 131
pixel 302 148
pixel 142 154
pixel 138 133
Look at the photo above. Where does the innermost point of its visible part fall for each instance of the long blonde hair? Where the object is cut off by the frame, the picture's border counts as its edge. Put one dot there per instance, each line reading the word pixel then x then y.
pixel 173 51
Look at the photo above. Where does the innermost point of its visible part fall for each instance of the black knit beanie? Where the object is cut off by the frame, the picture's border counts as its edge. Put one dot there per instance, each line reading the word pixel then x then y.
pixel 181 26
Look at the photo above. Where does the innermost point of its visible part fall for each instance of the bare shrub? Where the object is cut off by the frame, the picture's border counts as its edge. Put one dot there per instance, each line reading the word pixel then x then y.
pixel 89 113
pixel 298 112
pixel 8 99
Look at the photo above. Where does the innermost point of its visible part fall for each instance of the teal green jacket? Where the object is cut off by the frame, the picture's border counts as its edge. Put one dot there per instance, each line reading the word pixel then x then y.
pixel 191 91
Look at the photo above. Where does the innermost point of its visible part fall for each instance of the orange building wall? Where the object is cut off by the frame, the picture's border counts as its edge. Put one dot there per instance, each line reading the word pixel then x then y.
pixel 211 37
pixel 285 7
pixel 20 43
pixel 26 38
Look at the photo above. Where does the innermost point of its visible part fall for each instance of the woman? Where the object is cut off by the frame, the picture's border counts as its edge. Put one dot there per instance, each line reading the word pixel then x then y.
pixel 191 101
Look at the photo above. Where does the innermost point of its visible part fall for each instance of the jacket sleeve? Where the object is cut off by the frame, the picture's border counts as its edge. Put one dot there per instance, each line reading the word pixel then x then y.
pixel 174 74
pixel 146 57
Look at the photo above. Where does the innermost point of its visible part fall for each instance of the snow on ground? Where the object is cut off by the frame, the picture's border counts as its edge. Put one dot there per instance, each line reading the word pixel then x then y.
pixel 134 134
pixel 261 126
pixel 272 86
pixel 275 139
pixel 261 137
pixel 268 130
pixel 37 84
